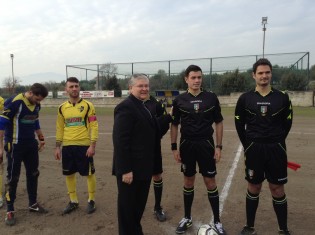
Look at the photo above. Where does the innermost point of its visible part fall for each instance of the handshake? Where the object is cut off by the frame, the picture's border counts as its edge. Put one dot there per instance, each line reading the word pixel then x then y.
pixel 41 143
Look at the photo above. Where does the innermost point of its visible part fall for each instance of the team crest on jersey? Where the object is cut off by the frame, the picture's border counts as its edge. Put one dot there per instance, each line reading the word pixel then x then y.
pixel 81 109
pixel 196 107
pixel 263 110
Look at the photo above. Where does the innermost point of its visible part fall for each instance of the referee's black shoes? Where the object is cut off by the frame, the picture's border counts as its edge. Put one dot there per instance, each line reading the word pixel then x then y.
pixel 160 215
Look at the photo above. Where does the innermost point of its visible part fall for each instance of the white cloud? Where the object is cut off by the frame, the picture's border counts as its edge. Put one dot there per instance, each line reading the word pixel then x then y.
pixel 45 36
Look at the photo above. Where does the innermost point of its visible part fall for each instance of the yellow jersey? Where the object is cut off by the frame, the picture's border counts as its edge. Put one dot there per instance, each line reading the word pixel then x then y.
pixel 76 123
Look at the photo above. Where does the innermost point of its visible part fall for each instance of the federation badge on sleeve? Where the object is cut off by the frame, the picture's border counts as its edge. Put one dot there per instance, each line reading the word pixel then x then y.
pixel 183 167
pixel 250 173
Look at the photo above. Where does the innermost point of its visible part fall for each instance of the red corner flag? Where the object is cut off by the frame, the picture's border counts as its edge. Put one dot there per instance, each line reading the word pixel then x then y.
pixel 294 166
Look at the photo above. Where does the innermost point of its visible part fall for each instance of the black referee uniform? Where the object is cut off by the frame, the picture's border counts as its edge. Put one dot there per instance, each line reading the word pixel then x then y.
pixel 196 114
pixel 263 123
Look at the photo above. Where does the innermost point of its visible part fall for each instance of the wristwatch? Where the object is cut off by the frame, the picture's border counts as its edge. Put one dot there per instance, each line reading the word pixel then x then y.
pixel 219 146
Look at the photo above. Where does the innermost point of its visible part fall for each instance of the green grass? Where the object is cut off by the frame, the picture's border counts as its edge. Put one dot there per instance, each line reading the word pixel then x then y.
pixel 307 112
pixel 99 111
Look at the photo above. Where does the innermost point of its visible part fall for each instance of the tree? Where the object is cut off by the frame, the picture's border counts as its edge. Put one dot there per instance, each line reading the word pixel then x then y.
pixel 294 81
pixel 10 84
pixel 159 81
pixel 112 84
pixel 179 81
pixel 232 82
pixel 123 83
pixel 108 69
pixel 54 87
pixel 87 85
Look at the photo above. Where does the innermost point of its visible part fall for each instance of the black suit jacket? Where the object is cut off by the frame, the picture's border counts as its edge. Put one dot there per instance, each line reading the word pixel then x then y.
pixel 135 138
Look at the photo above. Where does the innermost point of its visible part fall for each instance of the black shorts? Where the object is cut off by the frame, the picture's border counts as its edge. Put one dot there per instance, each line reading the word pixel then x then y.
pixel 74 160
pixel 158 169
pixel 201 152
pixel 266 161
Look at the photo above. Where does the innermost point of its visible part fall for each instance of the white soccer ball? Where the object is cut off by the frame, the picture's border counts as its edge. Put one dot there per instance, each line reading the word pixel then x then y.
pixel 207 229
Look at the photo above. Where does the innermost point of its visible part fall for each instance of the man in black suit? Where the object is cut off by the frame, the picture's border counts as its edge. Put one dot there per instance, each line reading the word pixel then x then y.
pixel 136 150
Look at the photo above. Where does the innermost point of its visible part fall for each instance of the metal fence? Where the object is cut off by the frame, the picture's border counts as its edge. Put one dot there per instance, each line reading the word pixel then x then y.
pixel 215 65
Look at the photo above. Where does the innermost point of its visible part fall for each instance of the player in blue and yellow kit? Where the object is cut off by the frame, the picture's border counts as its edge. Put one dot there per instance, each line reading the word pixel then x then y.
pixel 1 160
pixel 18 124
pixel 77 133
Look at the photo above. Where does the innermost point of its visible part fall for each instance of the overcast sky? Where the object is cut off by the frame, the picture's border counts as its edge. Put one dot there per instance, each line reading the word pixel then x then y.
pixel 47 35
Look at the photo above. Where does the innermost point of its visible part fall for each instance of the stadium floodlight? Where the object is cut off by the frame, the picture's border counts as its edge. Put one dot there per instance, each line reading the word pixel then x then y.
pixel 264 22
pixel 13 81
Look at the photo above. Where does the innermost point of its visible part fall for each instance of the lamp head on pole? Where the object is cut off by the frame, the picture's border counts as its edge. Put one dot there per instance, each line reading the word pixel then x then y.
pixel 264 20
pixel 12 56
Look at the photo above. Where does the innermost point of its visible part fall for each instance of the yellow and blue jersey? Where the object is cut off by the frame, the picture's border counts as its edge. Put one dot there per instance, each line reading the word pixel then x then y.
pixel 19 120
pixel 1 103
pixel 76 123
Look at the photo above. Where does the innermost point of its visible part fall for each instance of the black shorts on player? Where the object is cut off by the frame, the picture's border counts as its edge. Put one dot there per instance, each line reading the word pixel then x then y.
pixel 266 161
pixel 74 160
pixel 201 152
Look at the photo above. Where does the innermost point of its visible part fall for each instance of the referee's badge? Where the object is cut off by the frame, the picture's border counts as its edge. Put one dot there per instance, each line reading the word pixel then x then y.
pixel 263 110
pixel 250 173
pixel 196 107
pixel 183 167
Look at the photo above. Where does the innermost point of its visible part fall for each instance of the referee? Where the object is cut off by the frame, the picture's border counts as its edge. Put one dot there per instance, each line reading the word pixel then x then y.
pixel 263 119
pixel 158 110
pixel 196 110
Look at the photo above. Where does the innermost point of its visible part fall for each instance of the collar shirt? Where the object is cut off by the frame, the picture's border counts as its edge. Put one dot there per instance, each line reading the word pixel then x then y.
pixel 196 114
pixel 76 123
pixel 19 120
pixel 265 119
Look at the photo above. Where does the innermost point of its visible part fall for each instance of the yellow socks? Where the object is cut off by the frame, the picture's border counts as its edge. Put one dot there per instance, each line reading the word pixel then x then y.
pixel 71 183
pixel 91 182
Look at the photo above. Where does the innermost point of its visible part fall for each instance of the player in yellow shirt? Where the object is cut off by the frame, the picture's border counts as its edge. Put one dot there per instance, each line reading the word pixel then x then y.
pixel 1 161
pixel 76 136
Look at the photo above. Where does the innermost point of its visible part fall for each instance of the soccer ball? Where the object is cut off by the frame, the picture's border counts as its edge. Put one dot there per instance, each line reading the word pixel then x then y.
pixel 207 229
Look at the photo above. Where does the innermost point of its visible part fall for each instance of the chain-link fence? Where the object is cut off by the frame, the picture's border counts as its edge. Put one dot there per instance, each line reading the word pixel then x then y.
pixel 210 66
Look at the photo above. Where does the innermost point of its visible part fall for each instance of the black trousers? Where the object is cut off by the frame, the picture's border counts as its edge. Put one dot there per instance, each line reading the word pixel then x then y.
pixel 131 201
pixel 16 154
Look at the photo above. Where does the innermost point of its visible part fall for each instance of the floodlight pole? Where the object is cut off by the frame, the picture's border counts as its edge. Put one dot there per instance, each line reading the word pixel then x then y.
pixel 13 80
pixel 264 22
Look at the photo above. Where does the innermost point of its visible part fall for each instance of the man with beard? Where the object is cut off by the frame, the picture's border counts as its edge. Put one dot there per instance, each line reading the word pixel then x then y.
pixel 263 119
pixel 76 136
pixel 18 124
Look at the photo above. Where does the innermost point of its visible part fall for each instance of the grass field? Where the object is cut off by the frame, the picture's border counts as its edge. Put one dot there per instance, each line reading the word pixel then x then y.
pixel 306 112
